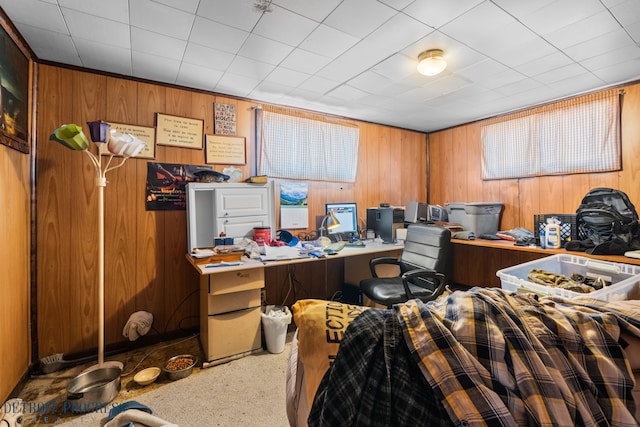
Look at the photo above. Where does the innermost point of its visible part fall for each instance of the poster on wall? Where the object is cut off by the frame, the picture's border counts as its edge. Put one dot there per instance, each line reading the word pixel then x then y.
pixel 14 93
pixel 166 184
pixel 224 119
pixel 294 209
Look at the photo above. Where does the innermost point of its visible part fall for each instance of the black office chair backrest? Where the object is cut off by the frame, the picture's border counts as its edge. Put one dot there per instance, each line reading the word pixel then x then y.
pixel 427 246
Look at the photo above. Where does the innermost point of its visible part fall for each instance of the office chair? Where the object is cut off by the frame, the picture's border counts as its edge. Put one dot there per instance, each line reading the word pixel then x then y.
pixel 424 266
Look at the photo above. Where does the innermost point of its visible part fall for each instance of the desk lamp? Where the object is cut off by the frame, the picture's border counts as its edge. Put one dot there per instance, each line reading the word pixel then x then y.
pixel 329 222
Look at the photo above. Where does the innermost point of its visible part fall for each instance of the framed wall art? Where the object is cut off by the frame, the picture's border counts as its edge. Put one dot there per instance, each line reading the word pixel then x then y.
pixel 179 131
pixel 225 150
pixel 15 89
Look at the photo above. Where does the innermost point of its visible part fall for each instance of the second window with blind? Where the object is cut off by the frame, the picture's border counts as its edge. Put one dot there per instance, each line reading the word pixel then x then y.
pixel 580 135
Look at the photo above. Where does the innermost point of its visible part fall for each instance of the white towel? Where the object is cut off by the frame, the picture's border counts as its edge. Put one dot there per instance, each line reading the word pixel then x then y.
pixel 138 324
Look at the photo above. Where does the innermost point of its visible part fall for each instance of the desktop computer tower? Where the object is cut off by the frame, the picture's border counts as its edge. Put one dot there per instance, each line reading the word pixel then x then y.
pixel 385 221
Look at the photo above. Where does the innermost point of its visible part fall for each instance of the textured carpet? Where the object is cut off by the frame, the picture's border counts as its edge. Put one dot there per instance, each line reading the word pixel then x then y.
pixel 245 392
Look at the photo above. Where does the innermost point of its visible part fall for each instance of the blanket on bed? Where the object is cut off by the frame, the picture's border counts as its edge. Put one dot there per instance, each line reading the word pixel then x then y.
pixel 487 357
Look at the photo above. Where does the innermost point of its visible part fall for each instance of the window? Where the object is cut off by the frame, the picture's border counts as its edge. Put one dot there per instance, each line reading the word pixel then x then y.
pixel 307 147
pixel 573 136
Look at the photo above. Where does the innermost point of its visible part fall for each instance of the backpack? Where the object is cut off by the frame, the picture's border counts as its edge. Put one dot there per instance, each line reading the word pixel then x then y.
pixel 607 218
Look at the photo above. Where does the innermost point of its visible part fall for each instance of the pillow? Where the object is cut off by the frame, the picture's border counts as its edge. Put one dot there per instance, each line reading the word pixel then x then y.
pixel 321 326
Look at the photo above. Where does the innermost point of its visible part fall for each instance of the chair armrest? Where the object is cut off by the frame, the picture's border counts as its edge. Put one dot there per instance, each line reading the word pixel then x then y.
pixel 385 260
pixel 426 274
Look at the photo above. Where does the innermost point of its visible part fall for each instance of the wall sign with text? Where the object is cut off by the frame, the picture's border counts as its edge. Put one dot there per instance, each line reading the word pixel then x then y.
pixel 179 131
pixel 224 119
pixel 225 150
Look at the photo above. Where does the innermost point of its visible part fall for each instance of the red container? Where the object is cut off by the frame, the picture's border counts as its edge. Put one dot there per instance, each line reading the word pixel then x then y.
pixel 262 235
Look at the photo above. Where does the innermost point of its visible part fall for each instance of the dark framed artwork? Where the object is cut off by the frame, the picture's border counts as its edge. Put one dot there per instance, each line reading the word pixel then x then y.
pixel 15 93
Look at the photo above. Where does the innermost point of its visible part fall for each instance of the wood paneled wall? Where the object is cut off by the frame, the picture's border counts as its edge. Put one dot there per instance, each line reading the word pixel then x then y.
pixel 15 223
pixel 456 175
pixel 145 265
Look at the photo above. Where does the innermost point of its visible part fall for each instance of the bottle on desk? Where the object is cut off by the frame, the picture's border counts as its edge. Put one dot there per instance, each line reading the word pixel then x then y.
pixel 543 239
pixel 552 230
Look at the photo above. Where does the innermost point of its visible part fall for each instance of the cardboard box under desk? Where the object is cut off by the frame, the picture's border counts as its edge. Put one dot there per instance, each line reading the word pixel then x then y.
pixel 233 333
pixel 236 281
pixel 234 301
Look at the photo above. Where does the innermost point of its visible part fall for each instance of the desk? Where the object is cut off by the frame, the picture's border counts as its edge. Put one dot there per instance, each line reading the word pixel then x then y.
pixel 231 297
pixel 475 262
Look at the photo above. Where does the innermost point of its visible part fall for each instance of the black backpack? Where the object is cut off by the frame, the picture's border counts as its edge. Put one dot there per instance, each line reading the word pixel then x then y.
pixel 607 218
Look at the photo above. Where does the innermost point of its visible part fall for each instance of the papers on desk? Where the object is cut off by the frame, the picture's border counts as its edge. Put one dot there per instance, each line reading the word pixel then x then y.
pixel 277 253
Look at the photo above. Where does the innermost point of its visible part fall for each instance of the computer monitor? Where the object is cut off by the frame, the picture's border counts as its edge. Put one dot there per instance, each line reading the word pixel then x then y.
pixel 347 215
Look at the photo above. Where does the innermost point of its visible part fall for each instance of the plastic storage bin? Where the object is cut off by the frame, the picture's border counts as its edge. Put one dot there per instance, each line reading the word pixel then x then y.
pixel 624 278
pixel 478 217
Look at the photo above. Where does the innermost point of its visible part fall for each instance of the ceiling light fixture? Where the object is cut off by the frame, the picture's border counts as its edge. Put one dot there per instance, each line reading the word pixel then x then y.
pixel 431 62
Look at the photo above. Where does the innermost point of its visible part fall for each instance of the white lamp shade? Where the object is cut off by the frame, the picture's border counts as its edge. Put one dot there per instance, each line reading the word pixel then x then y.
pixel 431 62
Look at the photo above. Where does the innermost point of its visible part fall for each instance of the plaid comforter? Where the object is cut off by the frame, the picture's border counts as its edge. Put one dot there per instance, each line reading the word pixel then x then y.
pixel 489 358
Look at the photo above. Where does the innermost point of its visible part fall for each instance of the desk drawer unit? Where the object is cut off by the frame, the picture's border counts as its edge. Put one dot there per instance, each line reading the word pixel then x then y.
pixel 230 313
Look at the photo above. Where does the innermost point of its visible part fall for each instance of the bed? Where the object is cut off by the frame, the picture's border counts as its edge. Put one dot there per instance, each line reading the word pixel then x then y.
pixel 477 357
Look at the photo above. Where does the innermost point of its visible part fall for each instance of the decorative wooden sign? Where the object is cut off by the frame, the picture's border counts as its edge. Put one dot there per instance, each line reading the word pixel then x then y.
pixel 179 131
pixel 144 134
pixel 225 150
pixel 224 119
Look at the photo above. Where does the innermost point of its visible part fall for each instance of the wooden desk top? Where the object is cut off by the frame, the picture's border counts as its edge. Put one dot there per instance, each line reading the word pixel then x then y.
pixel 508 245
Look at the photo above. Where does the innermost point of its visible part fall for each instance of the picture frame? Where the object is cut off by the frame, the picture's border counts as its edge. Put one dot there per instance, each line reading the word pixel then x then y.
pixel 144 133
pixel 16 93
pixel 225 150
pixel 176 131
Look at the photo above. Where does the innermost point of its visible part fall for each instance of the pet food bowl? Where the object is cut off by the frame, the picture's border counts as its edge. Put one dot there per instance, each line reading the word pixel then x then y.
pixel 180 366
pixel 147 376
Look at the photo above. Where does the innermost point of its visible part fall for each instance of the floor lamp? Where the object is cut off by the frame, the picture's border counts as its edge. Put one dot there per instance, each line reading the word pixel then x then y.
pixel 109 143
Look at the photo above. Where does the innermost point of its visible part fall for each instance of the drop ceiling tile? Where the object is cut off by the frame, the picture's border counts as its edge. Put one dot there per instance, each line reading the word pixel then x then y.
pixel 189 6
pixel 369 82
pixel 157 44
pixel 191 75
pixel 396 67
pixel 518 9
pixel 515 88
pixel 599 45
pixel 634 32
pixel 397 33
pixel 397 4
pixel 347 93
pixel 257 70
pixel 206 57
pixel 528 51
pixel 161 19
pixel 305 61
pixel 217 36
pixel 436 13
pixel 577 84
pixel 118 10
pixel 328 41
pixel 154 67
pixel 284 26
pixel 356 60
pixel 238 14
pixel 483 70
pixel 94 28
pixel 316 10
pixel 286 77
pixel 612 57
pixel 98 56
pixel 544 64
pixel 585 29
pixel 359 17
pixel 500 79
pixel 622 72
pixel 51 45
pixel 234 84
pixel 627 12
pixel 265 50
pixel 319 85
pixel 560 13
pixel 272 91
pixel 561 73
pixel 36 14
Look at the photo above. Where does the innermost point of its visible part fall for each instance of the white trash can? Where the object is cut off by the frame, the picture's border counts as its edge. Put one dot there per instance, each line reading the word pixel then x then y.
pixel 275 322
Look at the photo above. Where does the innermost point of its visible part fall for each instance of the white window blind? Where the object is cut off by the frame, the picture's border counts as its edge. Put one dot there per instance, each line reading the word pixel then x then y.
pixel 572 136
pixel 302 148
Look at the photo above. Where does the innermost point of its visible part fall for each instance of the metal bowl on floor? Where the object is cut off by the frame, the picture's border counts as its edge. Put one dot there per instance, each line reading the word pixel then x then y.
pixel 92 388
pixel 180 366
